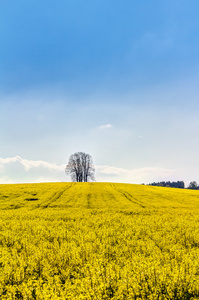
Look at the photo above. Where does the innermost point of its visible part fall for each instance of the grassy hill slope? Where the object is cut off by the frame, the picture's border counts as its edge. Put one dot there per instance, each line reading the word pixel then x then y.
pixel 98 241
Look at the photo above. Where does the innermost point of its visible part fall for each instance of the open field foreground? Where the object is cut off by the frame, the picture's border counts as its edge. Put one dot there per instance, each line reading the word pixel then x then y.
pixel 98 241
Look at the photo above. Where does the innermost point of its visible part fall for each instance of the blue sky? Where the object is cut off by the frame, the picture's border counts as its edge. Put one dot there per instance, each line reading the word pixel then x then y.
pixel 117 79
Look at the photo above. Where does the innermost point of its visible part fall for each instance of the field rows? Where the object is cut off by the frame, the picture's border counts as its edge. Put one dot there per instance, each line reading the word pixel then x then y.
pixel 98 241
pixel 95 195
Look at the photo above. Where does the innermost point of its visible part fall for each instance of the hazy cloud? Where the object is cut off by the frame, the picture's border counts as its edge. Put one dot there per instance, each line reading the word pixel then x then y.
pixel 142 175
pixel 105 126
pixel 20 170
pixel 29 164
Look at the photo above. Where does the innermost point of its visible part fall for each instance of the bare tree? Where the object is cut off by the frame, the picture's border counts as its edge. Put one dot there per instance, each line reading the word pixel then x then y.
pixel 80 167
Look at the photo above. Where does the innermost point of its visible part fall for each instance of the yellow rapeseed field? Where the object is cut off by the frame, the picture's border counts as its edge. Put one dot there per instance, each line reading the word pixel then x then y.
pixel 72 241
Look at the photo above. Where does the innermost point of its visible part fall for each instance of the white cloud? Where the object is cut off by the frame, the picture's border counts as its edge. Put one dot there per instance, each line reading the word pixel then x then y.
pixel 17 169
pixel 29 164
pixel 142 175
pixel 105 126
pixel 20 170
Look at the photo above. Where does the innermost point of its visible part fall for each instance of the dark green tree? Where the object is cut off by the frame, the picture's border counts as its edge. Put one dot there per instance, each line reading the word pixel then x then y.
pixel 193 185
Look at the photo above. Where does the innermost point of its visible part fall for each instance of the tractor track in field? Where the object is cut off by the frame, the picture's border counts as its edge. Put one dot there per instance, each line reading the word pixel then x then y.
pixel 127 195
pixel 56 196
pixel 89 201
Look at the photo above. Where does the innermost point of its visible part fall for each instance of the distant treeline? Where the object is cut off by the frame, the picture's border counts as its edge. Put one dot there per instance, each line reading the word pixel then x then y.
pixel 176 184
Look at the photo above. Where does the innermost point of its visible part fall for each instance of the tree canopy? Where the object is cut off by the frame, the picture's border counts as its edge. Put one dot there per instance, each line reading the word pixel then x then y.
pixel 193 185
pixel 175 184
pixel 80 167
